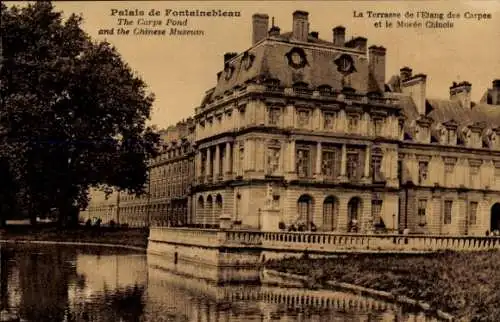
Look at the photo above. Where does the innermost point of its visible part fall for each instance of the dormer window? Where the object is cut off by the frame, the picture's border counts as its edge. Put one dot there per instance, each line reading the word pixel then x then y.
pixel 423 129
pixel 450 136
pixel 423 133
pixel 228 72
pixel 464 136
pixel 489 138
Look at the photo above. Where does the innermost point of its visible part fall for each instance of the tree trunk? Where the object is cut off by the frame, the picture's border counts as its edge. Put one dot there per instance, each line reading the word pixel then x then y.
pixel 33 216
pixel 68 215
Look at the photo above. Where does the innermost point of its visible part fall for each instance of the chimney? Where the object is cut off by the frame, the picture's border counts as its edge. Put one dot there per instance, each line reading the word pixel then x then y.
pixel 339 36
pixel 405 73
pixel 495 92
pixel 275 30
pixel 300 29
pixel 377 65
pixel 461 92
pixel 229 56
pixel 358 43
pixel 415 87
pixel 315 34
pixel 260 23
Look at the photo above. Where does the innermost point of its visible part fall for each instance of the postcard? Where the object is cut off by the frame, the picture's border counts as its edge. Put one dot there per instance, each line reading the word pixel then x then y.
pixel 250 160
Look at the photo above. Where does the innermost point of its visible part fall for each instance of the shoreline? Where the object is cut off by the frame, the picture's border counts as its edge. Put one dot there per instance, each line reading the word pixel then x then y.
pixel 302 281
pixel 130 238
pixel 462 284
pixel 50 242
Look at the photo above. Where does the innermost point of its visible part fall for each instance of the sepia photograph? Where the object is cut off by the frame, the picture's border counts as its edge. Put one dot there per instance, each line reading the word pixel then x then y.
pixel 243 161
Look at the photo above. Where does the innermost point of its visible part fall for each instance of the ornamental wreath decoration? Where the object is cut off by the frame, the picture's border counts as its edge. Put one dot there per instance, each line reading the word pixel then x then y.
pixel 296 58
pixel 345 64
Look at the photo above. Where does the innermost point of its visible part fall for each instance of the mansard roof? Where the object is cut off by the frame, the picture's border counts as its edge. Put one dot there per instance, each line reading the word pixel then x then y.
pixel 442 111
pixel 445 110
pixel 269 62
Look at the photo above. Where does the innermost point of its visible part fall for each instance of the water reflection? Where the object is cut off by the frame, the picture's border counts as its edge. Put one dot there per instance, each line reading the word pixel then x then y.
pixel 54 283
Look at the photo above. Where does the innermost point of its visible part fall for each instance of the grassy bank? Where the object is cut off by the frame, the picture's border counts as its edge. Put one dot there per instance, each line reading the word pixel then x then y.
pixel 466 285
pixel 104 235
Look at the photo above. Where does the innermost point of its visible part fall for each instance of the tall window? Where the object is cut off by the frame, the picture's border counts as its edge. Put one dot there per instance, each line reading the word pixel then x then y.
pixel 376 168
pixel 303 118
pixel 222 156
pixel 328 163
pixel 422 212
pixel 377 211
pixel 274 116
pixel 203 165
pixel 423 168
pixel 447 211
pixel 329 121
pixel 241 160
pixel 400 171
pixel 303 163
pixel 276 202
pixel 377 126
pixel 472 212
pixel 242 117
pixel 448 172
pixel 273 159
pixel 474 173
pixel 304 205
pixel 353 166
pixel 329 220
pixel 352 123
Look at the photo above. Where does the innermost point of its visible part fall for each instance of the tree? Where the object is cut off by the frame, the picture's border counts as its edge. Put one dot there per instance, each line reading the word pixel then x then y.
pixel 74 114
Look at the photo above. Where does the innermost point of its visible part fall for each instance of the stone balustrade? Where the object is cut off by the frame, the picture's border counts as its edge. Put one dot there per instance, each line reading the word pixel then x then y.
pixel 186 236
pixel 320 242
pixel 357 242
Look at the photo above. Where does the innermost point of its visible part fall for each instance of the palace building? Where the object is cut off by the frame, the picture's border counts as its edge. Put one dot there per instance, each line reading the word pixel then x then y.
pixel 301 131
pixel 166 201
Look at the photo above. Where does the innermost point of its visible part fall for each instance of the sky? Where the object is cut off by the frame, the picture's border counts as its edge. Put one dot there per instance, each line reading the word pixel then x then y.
pixel 179 69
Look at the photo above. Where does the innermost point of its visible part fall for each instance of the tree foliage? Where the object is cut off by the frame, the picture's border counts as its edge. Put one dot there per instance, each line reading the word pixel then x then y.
pixel 73 113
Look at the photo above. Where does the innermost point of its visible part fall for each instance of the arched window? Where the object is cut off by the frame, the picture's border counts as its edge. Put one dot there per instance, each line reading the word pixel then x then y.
pixel 353 212
pixel 330 213
pixel 304 209
pixel 209 211
pixel 495 217
pixel 218 205
pixel 200 211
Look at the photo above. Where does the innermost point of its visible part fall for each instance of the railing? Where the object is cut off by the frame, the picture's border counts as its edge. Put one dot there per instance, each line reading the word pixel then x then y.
pixel 322 242
pixel 205 237
pixel 334 242
pixel 188 236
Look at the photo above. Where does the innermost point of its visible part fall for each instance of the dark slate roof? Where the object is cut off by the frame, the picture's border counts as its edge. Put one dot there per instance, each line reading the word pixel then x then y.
pixel 443 110
pixel 409 111
pixel 446 110
pixel 270 62
pixel 394 84
pixel 288 36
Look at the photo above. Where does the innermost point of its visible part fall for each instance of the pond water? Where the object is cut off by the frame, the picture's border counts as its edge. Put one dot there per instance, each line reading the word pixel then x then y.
pixel 73 283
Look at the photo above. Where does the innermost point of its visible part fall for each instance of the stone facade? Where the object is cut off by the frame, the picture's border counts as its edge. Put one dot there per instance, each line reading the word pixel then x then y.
pixel 301 131
pixel 167 201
